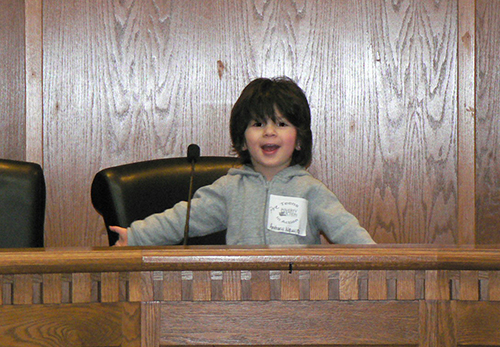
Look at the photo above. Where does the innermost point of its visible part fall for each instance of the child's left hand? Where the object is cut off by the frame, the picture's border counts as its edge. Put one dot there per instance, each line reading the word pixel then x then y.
pixel 123 237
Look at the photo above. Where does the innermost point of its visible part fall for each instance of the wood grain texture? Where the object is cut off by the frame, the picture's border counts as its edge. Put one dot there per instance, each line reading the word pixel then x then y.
pixel 52 288
pixel 142 80
pixel 386 129
pixel 81 289
pixel 487 122
pixel 412 182
pixel 129 81
pixel 12 83
pixel 110 287
pixel 23 289
pixel 313 306
pixel 437 285
pixel 254 263
pixel 406 285
pixel 437 324
pixel 478 324
pixel 314 322
pixel 65 325
pixel 466 122
pixel 469 285
pixel 377 285
pixel 494 286
pixel 232 285
pixel 137 82
pixel 34 82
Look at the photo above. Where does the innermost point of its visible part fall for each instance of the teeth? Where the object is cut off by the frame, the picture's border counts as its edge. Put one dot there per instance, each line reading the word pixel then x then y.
pixel 269 147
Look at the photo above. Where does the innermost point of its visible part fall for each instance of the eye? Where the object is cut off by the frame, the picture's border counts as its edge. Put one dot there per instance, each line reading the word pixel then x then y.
pixel 256 124
pixel 282 123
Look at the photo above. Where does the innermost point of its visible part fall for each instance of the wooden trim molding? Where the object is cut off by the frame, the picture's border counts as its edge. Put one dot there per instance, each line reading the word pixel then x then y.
pixel 466 122
pixel 34 80
pixel 210 258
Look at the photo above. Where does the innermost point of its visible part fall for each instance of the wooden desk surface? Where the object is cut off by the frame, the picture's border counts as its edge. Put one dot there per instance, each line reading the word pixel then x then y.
pixel 198 258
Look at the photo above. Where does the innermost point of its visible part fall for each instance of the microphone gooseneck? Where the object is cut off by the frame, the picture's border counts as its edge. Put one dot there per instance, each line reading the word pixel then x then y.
pixel 193 153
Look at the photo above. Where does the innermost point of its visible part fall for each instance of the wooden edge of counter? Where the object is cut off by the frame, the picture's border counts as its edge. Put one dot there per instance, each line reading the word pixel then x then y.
pixel 206 258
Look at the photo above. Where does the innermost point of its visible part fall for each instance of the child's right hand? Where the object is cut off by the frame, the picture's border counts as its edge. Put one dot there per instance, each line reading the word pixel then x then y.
pixel 122 233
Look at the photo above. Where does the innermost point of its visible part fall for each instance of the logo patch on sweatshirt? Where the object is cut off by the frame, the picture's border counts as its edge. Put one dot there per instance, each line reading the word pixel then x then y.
pixel 287 215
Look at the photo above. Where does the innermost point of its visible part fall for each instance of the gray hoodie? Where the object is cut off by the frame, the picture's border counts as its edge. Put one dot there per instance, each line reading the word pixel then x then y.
pixel 290 209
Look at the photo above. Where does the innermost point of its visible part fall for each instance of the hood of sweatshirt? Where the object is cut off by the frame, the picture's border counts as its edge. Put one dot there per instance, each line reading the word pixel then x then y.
pixel 284 175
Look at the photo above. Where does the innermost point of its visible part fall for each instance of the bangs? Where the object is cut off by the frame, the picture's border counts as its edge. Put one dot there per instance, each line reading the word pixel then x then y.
pixel 263 108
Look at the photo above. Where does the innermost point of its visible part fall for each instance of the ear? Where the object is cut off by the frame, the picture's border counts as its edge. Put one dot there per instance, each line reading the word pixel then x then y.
pixel 297 146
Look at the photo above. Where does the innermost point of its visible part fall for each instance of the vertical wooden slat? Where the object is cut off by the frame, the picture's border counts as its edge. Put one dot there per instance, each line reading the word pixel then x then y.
pixel 363 285
pixel 437 324
pixel 202 286
pixel 466 122
pixel 469 285
pixel 172 286
pixel 260 285
pixel 34 86
pixel 275 284
pixel 216 286
pixel 333 285
pixel 487 121
pixel 150 324
pixel 290 285
pixel 377 285
pixel 348 285
pixel 52 288
pixel 437 285
pixel 305 285
pixel 132 324
pixel 23 289
pixel 157 285
pixel 318 285
pixel 231 285
pixel 494 286
pixel 81 289
pixel 110 287
pixel 140 286
pixel 187 285
pixel 406 285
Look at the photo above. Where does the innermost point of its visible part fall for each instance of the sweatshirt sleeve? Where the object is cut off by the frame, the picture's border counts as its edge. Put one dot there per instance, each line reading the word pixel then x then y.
pixel 330 216
pixel 208 215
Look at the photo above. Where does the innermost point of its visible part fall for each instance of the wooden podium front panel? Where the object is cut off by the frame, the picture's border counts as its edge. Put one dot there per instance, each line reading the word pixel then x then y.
pixel 331 296
pixel 289 323
pixel 63 325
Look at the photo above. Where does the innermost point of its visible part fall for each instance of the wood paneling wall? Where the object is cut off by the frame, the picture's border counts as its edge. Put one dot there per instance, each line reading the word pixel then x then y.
pixel 488 122
pixel 391 86
pixel 12 85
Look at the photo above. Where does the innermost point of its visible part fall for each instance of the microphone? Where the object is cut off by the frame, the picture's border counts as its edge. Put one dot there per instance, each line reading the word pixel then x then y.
pixel 193 153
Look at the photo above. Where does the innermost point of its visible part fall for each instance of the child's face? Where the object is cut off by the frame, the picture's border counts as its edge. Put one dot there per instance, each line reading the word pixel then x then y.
pixel 271 145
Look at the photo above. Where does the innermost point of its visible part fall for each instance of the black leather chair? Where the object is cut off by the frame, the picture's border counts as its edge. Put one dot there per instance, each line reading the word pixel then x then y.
pixel 22 204
pixel 125 193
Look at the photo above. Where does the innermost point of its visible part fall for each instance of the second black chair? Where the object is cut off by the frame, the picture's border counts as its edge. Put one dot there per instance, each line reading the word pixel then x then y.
pixel 125 193
pixel 22 204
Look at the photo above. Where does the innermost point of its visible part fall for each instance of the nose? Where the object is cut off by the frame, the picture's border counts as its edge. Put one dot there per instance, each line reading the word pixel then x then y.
pixel 270 129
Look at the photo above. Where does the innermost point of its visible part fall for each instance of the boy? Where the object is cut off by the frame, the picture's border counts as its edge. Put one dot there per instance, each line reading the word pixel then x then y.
pixel 271 199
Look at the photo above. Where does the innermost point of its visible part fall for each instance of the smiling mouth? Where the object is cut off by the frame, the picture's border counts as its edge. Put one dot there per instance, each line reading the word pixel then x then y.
pixel 270 148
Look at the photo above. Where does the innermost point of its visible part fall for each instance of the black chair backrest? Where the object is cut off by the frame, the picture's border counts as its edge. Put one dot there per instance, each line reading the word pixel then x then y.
pixel 125 193
pixel 22 204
